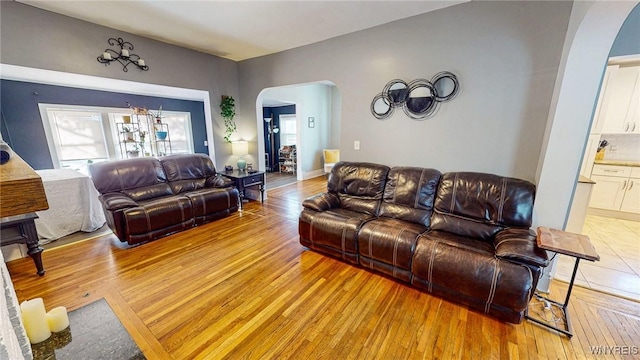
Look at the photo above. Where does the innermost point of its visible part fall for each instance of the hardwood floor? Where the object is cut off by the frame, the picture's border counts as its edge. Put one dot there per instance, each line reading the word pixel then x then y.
pixel 243 287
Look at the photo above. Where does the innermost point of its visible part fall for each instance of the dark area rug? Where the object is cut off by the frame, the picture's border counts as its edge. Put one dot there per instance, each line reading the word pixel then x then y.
pixel 94 333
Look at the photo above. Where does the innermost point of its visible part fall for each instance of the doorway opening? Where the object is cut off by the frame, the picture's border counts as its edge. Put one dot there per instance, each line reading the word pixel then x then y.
pixel 295 123
pixel 280 142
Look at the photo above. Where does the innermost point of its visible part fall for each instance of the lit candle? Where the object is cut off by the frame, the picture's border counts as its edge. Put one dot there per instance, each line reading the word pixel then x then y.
pixel 58 319
pixel 124 52
pixel 106 56
pixel 141 62
pixel 35 320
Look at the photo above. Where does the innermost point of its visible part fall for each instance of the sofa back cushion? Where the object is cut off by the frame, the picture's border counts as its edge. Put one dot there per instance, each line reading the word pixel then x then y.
pixel 359 185
pixel 409 194
pixel 479 205
pixel 187 172
pixel 139 179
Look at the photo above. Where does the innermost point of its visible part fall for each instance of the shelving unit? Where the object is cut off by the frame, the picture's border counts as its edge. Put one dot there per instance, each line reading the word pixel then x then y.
pixel 139 137
pixel 287 159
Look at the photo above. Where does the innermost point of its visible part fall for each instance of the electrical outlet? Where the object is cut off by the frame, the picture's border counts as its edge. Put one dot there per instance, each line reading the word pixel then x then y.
pixel 206 143
pixel 356 145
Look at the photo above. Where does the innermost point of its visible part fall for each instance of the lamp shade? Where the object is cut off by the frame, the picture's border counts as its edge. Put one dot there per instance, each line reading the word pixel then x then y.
pixel 240 148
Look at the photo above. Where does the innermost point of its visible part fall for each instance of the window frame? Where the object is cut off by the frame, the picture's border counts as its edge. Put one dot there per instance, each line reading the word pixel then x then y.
pixel 109 117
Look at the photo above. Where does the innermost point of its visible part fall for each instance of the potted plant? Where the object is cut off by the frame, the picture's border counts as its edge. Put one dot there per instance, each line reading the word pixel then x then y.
pixel 228 112
pixel 157 116
pixel 127 133
pixel 135 152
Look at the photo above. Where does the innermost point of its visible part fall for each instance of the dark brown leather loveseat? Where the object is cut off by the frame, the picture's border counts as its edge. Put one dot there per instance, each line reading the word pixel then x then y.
pixel 148 198
pixel 460 235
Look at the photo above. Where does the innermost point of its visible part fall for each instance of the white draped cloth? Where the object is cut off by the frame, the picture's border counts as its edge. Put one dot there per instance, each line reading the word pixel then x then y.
pixel 73 205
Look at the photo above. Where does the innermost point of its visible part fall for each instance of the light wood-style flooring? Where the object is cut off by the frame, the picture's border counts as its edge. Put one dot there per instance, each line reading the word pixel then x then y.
pixel 243 288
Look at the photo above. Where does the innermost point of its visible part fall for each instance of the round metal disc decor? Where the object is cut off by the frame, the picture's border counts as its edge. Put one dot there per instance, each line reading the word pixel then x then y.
pixel 419 99
pixel 381 107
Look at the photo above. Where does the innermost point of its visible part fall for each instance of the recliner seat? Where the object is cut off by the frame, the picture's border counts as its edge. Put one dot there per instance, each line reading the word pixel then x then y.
pixel 148 198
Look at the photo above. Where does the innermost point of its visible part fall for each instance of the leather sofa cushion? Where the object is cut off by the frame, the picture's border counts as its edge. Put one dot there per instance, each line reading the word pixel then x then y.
pixel 148 192
pixel 387 245
pixel 332 232
pixel 470 267
pixel 210 201
pixel 479 205
pixel 187 172
pixel 158 214
pixel 409 194
pixel 359 186
pixel 519 245
pixel 140 179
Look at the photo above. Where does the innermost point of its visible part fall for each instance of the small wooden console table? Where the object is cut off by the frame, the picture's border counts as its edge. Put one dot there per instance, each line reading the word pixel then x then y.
pixel 570 244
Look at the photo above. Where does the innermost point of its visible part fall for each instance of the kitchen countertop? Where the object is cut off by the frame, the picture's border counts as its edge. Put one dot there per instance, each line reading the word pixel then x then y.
pixel 585 180
pixel 617 162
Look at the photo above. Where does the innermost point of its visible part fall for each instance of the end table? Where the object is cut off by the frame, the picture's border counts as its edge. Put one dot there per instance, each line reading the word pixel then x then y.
pixel 570 244
pixel 244 179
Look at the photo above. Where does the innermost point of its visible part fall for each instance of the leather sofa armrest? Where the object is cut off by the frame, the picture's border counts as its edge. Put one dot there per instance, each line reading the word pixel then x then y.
pixel 322 202
pixel 519 245
pixel 117 201
pixel 219 181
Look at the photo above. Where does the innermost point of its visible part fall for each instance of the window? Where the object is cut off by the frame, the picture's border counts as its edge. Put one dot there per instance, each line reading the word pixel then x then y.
pixel 287 130
pixel 80 135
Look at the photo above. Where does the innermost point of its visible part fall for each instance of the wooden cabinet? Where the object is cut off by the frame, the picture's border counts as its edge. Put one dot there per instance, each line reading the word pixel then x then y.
pixel 617 188
pixel 619 110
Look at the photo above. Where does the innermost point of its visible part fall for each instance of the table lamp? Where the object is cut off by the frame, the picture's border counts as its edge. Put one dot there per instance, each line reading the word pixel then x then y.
pixel 240 148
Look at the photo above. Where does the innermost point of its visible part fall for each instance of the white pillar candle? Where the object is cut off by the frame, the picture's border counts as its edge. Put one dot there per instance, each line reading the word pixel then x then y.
pixel 124 52
pixel 106 56
pixel 141 62
pixel 35 320
pixel 58 319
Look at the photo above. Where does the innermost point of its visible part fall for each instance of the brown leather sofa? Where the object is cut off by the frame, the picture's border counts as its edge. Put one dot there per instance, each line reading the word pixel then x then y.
pixel 460 235
pixel 148 198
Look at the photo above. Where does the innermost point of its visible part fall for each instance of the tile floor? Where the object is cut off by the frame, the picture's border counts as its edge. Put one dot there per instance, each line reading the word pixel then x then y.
pixel 618 271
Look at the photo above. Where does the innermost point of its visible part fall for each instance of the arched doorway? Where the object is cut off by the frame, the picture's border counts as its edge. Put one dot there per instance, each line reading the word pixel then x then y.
pixel 592 29
pixel 317 109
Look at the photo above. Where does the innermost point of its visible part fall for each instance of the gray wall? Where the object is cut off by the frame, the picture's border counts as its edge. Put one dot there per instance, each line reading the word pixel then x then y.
pixel 36 38
pixel 505 55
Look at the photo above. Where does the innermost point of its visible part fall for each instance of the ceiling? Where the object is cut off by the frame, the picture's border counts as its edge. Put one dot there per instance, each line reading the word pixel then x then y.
pixel 240 30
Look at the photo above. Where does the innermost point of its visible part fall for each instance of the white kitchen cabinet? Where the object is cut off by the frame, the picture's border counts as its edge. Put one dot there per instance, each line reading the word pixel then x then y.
pixel 619 109
pixel 598 117
pixel 631 201
pixel 617 188
pixel 608 192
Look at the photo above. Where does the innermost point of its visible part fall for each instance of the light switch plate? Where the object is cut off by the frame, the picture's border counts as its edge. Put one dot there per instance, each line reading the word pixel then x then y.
pixel 356 145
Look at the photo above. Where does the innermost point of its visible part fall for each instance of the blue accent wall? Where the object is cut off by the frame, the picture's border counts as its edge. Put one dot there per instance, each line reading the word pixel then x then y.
pixel 22 127
pixel 275 112
pixel 628 40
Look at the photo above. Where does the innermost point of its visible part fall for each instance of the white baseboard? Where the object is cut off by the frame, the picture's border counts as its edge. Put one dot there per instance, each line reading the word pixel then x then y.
pixel 614 214
pixel 312 174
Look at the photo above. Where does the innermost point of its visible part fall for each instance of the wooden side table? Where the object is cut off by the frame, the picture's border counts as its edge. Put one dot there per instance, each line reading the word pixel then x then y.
pixel 570 244
pixel 244 179
pixel 21 229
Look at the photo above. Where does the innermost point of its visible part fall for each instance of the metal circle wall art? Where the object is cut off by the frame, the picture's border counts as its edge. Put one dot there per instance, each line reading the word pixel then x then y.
pixel 419 99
